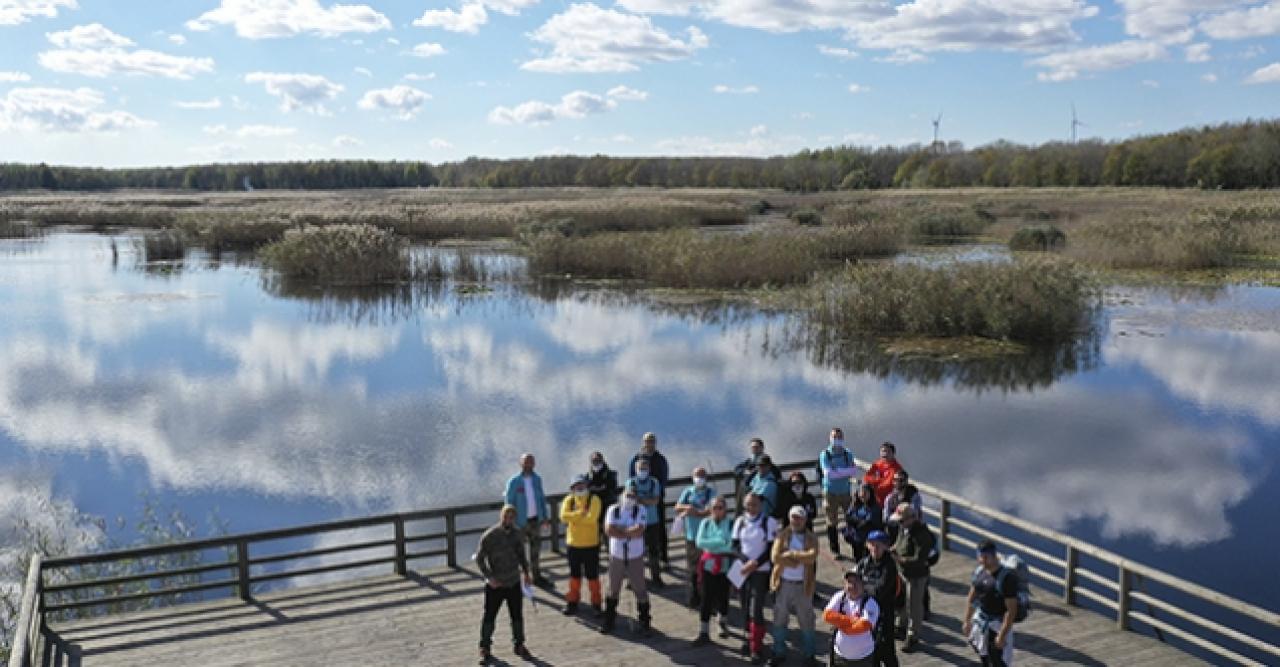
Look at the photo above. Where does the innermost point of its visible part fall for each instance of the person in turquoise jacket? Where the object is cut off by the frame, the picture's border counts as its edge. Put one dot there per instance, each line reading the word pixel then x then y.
pixel 649 494
pixel 694 505
pixel 765 485
pixel 715 542
pixel 524 492
pixel 838 468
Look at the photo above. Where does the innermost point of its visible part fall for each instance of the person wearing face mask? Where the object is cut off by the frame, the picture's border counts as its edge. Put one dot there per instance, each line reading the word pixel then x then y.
pixel 660 471
pixel 694 505
pixel 649 495
pixel 580 512
pixel 863 518
pixel 881 472
pixel 715 542
pixel 903 492
pixel 796 492
pixel 625 525
pixel 500 557
pixel 746 470
pixel 753 535
pixel 524 492
pixel 603 484
pixel 838 468
pixel 765 485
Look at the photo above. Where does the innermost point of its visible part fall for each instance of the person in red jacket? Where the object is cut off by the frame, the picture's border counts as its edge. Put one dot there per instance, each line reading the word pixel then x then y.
pixel 880 474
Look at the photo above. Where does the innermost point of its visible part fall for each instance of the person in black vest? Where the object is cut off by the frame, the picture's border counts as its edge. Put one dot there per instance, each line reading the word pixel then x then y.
pixel 603 484
pixel 992 608
pixel 880 575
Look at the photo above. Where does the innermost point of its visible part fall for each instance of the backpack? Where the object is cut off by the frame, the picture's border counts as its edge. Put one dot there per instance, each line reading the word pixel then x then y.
pixel 1013 563
pixel 844 599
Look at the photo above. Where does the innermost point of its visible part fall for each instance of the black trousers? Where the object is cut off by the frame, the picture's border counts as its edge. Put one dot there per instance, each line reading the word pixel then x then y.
pixel 886 652
pixel 654 534
pixel 584 561
pixel 493 600
pixel 662 521
pixel 995 656
pixel 715 596
pixel 754 591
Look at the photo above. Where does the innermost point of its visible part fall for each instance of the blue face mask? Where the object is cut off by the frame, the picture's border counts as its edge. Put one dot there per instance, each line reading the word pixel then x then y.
pixel 642 474
pixel 838 443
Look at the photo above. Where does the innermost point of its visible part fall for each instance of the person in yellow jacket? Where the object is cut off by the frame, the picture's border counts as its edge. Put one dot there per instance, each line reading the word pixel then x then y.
pixel 795 570
pixel 580 512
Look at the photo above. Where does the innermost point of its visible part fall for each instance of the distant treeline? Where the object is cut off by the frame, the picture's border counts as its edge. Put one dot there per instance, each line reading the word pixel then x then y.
pixel 1229 156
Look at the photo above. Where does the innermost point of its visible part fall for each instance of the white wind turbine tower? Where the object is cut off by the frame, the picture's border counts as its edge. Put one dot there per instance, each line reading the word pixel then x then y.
pixel 1075 123
pixel 937 121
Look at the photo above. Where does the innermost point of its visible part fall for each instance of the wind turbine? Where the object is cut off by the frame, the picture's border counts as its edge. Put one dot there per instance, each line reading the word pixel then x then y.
pixel 936 122
pixel 1075 122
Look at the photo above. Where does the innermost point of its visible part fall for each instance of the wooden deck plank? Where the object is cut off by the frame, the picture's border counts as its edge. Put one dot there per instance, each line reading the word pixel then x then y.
pixel 433 616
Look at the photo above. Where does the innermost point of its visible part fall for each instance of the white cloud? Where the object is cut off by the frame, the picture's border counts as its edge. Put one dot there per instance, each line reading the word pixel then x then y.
pixel 346 141
pixel 586 38
pixel 1169 20
pixel 468 19
pixel 837 52
pixel 858 89
pixel 307 92
pixel 903 57
pixel 413 76
pixel 62 110
pixel 951 25
pixel 668 7
pixel 759 131
pixel 176 39
pixel 577 104
pixel 92 36
pixel 1150 83
pixel 93 50
pixel 1198 53
pixel 251 131
pixel 803 115
pixel 428 50
pixel 1263 21
pixel 215 103
pixel 723 89
pixel 625 94
pixel 860 138
pixel 404 100
pixel 14 77
pixel 1209 78
pixel 263 19
pixel 17 12
pixel 363 71
pixel 439 144
pixel 1268 74
pixel 1069 65
pixel 622 139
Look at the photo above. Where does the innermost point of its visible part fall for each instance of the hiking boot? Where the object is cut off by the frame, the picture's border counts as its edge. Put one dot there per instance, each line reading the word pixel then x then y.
pixel 523 652
pixel 702 639
pixel 486 656
pixel 610 616
pixel 570 608
pixel 599 611
pixel 644 619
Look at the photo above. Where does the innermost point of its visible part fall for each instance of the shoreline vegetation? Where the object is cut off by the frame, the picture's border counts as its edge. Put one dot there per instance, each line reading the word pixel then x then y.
pixel 829 256
pixel 1229 156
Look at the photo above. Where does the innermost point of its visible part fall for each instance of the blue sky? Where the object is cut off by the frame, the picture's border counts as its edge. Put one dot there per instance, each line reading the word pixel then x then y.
pixel 132 83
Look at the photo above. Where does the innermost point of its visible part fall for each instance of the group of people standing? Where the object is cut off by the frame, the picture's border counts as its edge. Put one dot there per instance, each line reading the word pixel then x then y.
pixel 770 547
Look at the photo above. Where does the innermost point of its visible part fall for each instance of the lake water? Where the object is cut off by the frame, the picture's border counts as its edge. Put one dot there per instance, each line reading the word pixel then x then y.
pixel 205 390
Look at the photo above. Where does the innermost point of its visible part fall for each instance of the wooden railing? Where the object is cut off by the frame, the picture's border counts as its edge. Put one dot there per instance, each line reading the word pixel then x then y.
pixel 52 588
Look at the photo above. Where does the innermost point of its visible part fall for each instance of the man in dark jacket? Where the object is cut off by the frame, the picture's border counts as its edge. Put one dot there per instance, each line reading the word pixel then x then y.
pixel 745 470
pixel 912 549
pixel 880 579
pixel 603 484
pixel 662 472
pixel 502 561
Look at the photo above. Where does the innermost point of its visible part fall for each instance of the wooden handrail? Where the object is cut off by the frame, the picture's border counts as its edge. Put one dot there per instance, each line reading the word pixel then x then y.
pixel 1119 598
pixel 25 634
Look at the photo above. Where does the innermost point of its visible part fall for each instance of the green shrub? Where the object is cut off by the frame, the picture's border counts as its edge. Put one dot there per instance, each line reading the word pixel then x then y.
pixel 1038 238
pixel 348 254
pixel 1020 301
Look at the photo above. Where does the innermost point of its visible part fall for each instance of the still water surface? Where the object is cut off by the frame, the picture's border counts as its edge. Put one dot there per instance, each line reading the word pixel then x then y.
pixel 204 389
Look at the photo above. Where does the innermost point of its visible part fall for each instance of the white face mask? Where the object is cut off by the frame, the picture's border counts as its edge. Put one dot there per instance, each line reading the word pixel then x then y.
pixel 597 467
pixel 642 474
pixel 628 502
pixel 700 482
pixel 797 489
pixel 581 493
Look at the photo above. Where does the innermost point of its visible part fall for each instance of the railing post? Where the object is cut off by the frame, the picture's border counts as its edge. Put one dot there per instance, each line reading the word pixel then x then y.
pixel 944 525
pixel 1069 576
pixel 451 538
pixel 242 570
pixel 1122 599
pixel 402 564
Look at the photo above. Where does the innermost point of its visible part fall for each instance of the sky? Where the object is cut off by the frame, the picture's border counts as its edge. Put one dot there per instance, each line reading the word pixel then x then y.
pixel 132 83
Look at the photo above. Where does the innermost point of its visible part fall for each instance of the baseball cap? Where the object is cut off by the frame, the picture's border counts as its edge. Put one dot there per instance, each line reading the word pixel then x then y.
pixel 878 536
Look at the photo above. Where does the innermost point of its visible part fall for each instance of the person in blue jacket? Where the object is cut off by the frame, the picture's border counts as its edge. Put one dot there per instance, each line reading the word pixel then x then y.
pixel 661 472
pixel 765 485
pixel 649 496
pixel 524 492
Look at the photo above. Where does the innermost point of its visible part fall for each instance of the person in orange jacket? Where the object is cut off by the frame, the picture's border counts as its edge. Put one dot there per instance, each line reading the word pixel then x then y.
pixel 880 474
pixel 853 613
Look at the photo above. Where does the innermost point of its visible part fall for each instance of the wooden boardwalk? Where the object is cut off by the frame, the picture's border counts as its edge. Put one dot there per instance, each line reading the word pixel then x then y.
pixel 432 617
